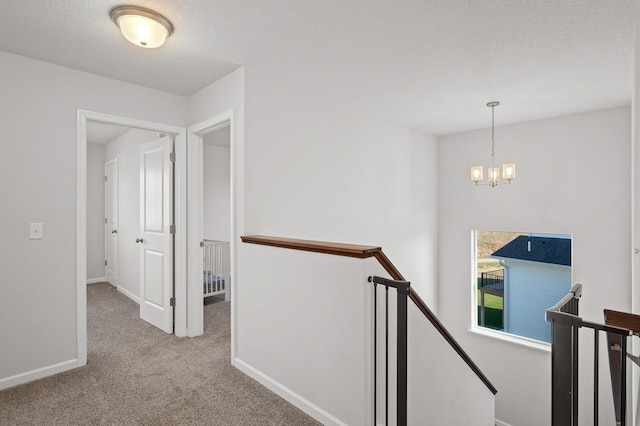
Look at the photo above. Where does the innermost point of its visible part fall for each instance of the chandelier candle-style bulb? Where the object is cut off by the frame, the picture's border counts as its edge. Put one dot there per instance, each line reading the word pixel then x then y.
pixel 476 174
pixel 509 171
pixel 494 175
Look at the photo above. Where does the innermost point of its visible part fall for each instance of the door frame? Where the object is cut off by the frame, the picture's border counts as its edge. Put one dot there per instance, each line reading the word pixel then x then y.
pixel 195 135
pixel 106 207
pixel 180 218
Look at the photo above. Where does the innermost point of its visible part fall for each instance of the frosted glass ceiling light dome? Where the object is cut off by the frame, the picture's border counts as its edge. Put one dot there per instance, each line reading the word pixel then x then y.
pixel 142 27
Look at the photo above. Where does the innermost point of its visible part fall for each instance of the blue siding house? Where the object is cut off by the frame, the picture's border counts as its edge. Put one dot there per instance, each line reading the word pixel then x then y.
pixel 537 273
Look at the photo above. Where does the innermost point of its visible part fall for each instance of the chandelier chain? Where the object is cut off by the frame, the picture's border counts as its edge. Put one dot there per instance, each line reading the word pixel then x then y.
pixel 493 141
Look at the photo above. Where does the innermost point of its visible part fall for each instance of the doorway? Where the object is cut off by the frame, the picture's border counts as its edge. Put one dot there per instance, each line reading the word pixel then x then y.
pixel 138 216
pixel 216 207
pixel 179 269
pixel 196 134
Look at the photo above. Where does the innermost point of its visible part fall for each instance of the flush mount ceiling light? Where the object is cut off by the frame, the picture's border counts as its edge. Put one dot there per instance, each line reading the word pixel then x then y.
pixel 508 169
pixel 142 27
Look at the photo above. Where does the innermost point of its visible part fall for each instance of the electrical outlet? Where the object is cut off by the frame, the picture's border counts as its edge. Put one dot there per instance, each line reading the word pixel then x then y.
pixel 36 231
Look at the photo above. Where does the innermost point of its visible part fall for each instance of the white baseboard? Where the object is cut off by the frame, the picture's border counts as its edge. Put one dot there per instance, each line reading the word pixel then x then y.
pixel 500 423
pixel 129 295
pixel 287 394
pixel 39 373
pixel 96 280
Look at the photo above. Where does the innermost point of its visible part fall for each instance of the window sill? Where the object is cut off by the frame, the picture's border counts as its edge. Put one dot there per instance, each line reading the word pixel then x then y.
pixel 512 338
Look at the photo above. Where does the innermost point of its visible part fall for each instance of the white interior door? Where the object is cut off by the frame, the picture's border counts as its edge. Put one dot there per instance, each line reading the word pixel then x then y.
pixel 111 221
pixel 156 237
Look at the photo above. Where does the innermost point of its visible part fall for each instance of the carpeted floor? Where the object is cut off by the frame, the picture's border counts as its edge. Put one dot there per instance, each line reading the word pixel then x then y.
pixel 138 375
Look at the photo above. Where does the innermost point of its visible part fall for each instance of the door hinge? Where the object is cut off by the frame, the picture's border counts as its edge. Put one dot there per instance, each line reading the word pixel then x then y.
pixel 105 178
pixel 172 229
pixel 172 301
pixel 105 220
pixel 105 263
pixel 172 157
pixel 201 243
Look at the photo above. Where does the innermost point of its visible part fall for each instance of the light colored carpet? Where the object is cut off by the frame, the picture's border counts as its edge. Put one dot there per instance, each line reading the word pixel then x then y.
pixel 138 375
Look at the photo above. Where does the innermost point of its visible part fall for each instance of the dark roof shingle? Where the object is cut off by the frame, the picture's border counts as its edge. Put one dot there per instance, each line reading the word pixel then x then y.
pixel 556 251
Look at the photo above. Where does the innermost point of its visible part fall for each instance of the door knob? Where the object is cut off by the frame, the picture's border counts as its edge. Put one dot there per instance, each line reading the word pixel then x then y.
pixel 138 240
pixel 115 231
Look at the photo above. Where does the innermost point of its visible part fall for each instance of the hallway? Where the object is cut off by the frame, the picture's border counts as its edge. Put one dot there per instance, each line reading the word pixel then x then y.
pixel 138 375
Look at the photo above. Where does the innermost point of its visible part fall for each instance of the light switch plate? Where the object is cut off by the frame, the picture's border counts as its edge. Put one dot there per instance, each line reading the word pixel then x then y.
pixel 36 231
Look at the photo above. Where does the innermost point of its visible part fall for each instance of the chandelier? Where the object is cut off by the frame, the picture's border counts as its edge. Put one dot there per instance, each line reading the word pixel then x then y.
pixel 493 172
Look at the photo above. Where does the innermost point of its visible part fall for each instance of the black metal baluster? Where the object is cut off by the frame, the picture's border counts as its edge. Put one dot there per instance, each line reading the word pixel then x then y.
pixel 623 380
pixel 574 374
pixel 386 355
pixel 596 361
pixel 614 348
pixel 403 292
pixel 375 352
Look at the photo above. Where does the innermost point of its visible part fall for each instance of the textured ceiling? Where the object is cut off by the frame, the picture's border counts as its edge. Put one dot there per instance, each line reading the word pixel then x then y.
pixel 428 64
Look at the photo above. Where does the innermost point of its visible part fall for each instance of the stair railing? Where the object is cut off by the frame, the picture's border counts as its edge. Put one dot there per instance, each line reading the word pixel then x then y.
pixel 565 324
pixel 404 290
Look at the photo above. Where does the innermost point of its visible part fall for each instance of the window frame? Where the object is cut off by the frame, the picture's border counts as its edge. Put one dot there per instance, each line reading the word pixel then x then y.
pixel 498 334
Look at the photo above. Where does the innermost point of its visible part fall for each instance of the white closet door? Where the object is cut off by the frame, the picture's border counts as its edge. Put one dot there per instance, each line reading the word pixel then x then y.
pixel 111 221
pixel 156 237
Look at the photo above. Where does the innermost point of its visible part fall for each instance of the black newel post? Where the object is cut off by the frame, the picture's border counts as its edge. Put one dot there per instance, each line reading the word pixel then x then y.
pixel 403 289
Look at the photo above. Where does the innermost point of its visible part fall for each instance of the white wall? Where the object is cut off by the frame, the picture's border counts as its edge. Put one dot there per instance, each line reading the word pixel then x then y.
pixel 316 351
pixel 126 149
pixel 216 192
pixel 635 211
pixel 38 180
pixel 95 212
pixel 442 389
pixel 223 95
pixel 573 177
pixel 316 169
pixel 305 329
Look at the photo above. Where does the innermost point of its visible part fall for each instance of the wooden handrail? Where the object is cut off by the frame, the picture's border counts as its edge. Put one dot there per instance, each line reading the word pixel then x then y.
pixel 363 252
pixel 622 320
pixel 338 249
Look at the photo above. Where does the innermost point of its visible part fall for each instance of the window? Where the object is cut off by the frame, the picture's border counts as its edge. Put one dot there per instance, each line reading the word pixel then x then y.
pixel 519 276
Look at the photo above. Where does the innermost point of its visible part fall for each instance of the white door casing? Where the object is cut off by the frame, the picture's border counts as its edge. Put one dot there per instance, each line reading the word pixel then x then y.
pixel 195 218
pixel 180 195
pixel 155 237
pixel 111 221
